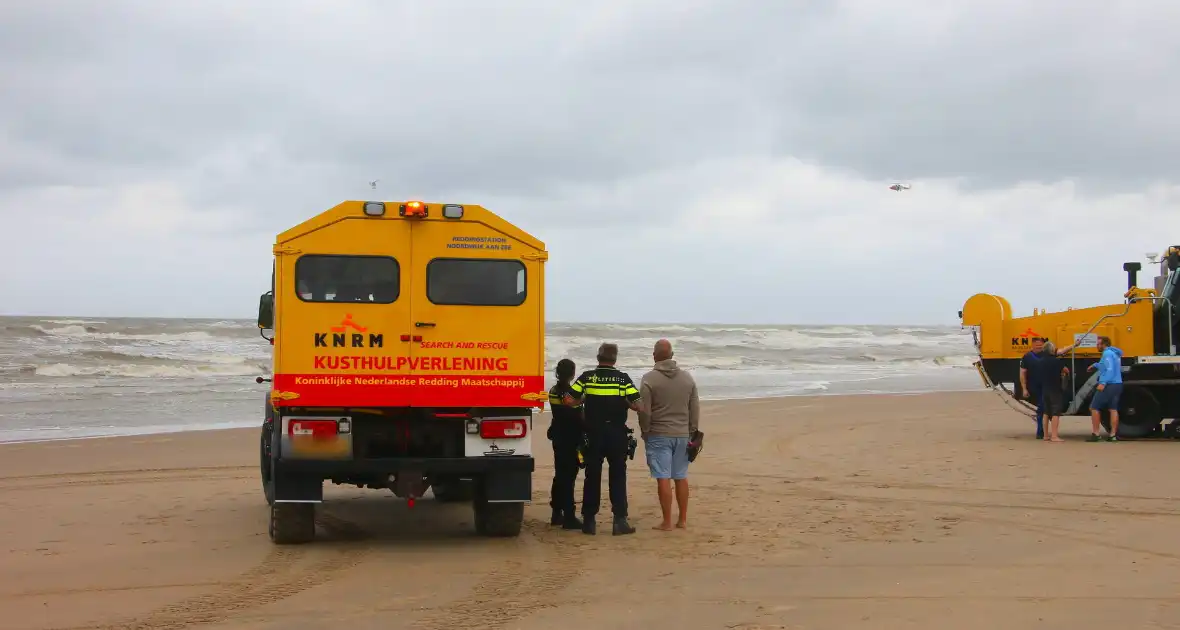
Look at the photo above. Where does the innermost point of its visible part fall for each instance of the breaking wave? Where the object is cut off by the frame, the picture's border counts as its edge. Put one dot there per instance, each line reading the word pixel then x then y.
pixel 79 376
pixel 94 348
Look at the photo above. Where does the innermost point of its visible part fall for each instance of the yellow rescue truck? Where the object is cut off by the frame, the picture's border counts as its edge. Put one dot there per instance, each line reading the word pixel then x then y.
pixel 408 353
pixel 1145 326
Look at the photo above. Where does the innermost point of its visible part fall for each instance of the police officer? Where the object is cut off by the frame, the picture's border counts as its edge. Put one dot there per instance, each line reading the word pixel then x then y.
pixel 607 393
pixel 566 433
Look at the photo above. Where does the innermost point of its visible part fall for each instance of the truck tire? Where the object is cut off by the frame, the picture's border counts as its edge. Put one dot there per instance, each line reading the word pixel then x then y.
pixel 453 490
pixel 1139 413
pixel 292 523
pixel 265 446
pixel 268 484
pixel 499 520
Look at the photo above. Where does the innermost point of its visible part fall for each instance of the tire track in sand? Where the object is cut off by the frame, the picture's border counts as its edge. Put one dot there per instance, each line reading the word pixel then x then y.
pixel 893 484
pixel 525 583
pixel 123 477
pixel 273 579
pixel 965 503
pixel 1075 535
pixel 980 511
pixel 824 488
pixel 128 471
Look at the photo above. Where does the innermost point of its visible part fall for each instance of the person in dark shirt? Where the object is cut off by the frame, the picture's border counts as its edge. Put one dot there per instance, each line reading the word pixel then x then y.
pixel 567 433
pixel 1030 381
pixel 608 394
pixel 1051 372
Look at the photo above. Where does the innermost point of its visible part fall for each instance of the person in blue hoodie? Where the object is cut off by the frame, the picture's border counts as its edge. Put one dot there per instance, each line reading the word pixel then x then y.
pixel 1110 388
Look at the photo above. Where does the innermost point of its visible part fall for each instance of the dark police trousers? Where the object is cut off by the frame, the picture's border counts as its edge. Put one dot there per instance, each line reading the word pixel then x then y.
pixel 607 441
pixel 566 439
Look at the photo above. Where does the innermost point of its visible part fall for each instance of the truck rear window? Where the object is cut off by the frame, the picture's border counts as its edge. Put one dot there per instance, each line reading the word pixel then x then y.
pixel 475 282
pixel 324 278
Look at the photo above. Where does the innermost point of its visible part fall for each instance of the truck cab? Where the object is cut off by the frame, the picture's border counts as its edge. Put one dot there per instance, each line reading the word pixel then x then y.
pixel 408 354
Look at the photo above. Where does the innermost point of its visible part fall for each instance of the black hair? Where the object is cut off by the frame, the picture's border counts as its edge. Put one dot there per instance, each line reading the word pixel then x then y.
pixel 565 370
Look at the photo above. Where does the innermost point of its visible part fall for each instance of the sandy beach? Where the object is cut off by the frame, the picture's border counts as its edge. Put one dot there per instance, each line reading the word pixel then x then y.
pixel 905 511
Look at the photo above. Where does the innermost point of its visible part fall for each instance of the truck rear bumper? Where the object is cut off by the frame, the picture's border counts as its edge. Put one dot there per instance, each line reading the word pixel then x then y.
pixel 500 479
pixel 329 468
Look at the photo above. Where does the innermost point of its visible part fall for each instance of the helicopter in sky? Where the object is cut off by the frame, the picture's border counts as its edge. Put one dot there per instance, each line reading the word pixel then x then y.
pixel 899 187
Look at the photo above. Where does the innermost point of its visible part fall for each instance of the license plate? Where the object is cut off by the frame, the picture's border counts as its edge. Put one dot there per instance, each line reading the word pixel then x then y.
pixel 321 448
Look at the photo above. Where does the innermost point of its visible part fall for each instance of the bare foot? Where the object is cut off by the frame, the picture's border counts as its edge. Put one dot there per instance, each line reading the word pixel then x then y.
pixel 1056 439
pixel 664 527
pixel 682 525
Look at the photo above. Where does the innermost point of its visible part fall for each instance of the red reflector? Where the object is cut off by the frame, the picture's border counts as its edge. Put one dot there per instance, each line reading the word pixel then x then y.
pixel 500 429
pixel 405 337
pixel 417 338
pixel 312 428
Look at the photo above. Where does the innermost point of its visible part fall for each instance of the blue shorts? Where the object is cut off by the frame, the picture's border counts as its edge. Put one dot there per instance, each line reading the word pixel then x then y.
pixel 667 457
pixel 1108 398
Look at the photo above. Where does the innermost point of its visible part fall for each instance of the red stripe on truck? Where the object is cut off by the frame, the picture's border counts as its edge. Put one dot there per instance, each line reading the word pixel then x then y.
pixel 423 390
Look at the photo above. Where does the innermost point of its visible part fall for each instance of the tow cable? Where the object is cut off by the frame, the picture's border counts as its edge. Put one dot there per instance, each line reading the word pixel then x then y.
pixel 1009 397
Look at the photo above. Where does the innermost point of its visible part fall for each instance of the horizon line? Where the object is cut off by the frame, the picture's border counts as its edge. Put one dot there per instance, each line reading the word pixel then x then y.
pixel 549 321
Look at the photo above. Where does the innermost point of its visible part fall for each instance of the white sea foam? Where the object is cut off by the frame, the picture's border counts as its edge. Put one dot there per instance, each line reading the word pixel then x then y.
pixel 132 370
pixel 111 376
pixel 80 331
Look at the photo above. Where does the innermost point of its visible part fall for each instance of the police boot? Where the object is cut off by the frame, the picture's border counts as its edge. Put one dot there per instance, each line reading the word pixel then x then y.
pixel 588 526
pixel 558 517
pixel 571 521
pixel 622 527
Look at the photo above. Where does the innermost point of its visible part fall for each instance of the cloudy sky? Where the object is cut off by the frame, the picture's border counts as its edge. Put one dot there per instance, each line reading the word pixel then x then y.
pixel 729 158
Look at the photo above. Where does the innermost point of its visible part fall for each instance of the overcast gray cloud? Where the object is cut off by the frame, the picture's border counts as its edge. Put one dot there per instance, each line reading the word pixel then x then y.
pixel 734 154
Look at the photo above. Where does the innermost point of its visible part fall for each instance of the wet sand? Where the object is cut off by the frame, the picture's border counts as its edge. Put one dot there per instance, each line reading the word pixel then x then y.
pixel 907 511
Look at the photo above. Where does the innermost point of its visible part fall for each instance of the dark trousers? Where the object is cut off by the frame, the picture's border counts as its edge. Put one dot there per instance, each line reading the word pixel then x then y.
pixel 1036 395
pixel 606 442
pixel 565 466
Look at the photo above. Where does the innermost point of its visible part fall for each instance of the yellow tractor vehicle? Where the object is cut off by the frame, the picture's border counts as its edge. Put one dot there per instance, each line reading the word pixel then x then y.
pixel 408 355
pixel 1144 326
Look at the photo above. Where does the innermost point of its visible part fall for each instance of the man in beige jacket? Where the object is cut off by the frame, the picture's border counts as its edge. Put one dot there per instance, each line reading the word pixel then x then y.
pixel 668 416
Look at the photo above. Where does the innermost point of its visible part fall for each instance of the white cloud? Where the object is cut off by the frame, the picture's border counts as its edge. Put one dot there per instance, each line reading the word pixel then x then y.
pixel 732 156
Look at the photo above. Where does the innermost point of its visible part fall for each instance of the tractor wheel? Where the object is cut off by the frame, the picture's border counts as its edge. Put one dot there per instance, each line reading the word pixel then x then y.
pixel 1139 413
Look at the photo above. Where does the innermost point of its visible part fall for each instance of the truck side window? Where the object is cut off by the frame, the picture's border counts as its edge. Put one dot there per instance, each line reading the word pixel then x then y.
pixel 330 278
pixel 475 282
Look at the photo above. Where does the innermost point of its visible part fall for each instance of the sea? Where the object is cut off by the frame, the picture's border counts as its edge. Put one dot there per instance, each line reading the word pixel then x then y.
pixel 77 377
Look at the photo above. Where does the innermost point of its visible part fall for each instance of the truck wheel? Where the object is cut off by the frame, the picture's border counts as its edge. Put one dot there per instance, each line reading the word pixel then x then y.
pixel 265 451
pixel 292 523
pixel 453 490
pixel 268 484
pixel 1139 413
pixel 501 520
